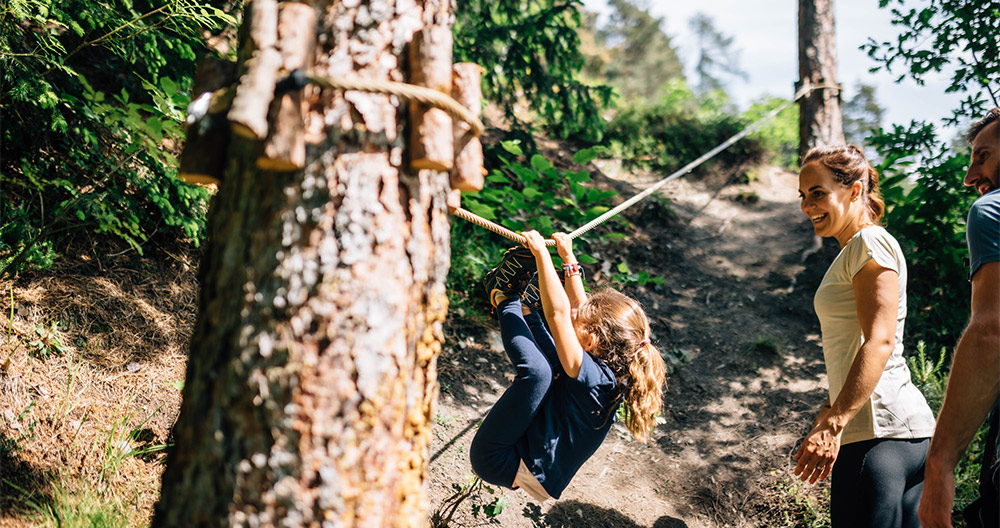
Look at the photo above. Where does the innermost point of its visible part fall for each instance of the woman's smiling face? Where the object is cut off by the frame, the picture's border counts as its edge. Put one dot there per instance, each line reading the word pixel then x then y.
pixel 827 203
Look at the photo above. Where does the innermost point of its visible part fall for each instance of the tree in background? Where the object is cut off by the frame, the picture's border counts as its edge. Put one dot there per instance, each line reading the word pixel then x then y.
pixel 819 110
pixel 717 60
pixel 311 376
pixel 530 50
pixel 631 52
pixel 862 115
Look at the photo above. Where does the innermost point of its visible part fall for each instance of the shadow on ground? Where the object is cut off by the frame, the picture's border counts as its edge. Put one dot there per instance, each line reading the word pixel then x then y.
pixel 576 514
pixel 23 487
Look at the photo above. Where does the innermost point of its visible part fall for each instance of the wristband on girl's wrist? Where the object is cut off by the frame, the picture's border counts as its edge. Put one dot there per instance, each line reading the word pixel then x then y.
pixel 573 269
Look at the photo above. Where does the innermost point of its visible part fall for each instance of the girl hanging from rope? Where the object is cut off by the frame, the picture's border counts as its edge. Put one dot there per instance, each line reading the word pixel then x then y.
pixel 568 384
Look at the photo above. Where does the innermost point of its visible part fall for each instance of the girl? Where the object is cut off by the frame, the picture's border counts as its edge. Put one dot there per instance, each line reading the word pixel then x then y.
pixel 570 383
pixel 873 430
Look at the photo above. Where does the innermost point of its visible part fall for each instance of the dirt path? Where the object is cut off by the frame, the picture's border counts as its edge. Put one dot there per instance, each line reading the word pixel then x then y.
pixel 746 370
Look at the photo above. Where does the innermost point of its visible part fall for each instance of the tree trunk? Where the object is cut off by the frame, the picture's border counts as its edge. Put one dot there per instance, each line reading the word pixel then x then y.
pixel 819 111
pixel 311 378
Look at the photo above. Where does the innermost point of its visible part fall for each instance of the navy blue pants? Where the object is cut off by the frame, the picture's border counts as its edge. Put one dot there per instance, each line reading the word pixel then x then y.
pixel 877 483
pixel 532 352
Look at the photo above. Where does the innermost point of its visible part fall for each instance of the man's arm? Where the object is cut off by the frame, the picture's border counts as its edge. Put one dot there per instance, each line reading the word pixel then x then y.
pixel 973 387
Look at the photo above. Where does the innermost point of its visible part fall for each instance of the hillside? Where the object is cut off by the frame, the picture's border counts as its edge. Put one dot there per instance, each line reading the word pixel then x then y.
pixel 95 352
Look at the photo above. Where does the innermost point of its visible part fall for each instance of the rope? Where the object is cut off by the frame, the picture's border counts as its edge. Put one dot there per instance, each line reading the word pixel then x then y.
pixel 503 231
pixel 437 99
pixel 690 166
pixel 469 216
pixel 412 92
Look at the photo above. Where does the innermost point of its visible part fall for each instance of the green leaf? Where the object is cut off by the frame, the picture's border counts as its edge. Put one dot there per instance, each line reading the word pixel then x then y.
pixel 623 268
pixel 496 507
pixel 584 156
pixel 512 147
pixel 597 210
pixel 586 259
pixel 496 177
pixel 168 86
pixel 481 210
pixel 540 163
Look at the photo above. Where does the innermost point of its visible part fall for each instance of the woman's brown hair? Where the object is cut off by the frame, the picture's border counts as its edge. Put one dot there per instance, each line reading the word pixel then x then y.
pixel 622 331
pixel 848 165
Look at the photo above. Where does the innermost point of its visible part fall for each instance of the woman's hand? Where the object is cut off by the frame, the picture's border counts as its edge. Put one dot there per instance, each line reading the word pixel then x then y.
pixel 535 242
pixel 817 454
pixel 564 245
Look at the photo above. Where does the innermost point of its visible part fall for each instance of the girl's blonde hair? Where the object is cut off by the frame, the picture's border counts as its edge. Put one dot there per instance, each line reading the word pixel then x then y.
pixel 622 331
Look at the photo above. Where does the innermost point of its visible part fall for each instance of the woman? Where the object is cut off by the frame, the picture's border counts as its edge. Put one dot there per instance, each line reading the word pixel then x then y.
pixel 874 429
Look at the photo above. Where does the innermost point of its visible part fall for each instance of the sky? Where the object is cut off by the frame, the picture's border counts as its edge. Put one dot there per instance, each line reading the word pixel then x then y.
pixel 765 34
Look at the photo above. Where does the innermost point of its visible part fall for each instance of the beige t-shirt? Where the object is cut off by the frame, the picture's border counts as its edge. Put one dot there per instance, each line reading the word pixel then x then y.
pixel 896 408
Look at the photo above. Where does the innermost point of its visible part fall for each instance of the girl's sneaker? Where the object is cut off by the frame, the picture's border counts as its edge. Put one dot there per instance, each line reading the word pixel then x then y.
pixel 531 298
pixel 511 275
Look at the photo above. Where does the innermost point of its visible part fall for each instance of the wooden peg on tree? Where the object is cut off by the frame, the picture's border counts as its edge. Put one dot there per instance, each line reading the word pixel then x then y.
pixel 248 114
pixel 285 146
pixel 468 173
pixel 207 127
pixel 431 142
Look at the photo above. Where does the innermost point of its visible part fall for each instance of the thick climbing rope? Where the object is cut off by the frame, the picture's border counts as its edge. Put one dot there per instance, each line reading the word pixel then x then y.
pixel 427 96
pixel 690 166
pixel 437 99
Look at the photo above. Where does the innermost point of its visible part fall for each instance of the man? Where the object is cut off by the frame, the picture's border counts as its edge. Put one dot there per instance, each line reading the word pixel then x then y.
pixel 974 384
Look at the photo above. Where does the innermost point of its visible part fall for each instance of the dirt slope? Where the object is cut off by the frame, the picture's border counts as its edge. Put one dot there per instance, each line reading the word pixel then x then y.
pixel 94 354
pixel 747 370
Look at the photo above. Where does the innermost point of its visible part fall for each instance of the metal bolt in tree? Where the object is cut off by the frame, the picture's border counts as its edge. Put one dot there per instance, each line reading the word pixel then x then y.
pixel 311 376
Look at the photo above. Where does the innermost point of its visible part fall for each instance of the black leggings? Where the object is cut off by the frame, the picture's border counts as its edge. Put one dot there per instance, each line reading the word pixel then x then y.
pixel 877 483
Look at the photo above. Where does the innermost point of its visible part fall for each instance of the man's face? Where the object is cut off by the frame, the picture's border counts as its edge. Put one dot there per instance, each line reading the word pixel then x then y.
pixel 984 169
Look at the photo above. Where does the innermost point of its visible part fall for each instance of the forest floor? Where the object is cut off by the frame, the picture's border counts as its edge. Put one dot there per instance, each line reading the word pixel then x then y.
pixel 94 351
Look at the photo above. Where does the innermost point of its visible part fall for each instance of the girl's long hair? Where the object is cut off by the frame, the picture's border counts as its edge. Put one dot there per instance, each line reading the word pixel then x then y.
pixel 622 331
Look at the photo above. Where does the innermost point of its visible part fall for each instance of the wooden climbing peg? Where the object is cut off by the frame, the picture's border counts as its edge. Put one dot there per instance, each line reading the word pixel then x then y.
pixel 285 146
pixel 431 142
pixel 466 87
pixel 248 114
pixel 207 128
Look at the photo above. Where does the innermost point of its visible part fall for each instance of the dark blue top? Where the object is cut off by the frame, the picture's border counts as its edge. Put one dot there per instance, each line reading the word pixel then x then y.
pixel 571 424
pixel 983 231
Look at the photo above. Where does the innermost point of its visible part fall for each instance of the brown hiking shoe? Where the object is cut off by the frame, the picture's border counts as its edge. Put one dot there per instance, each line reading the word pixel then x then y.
pixel 511 275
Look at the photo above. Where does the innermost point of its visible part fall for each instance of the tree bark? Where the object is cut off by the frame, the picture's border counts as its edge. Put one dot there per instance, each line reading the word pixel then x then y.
pixel 311 378
pixel 820 121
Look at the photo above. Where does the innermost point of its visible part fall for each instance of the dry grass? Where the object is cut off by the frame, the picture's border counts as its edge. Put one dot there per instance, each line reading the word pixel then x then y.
pixel 89 366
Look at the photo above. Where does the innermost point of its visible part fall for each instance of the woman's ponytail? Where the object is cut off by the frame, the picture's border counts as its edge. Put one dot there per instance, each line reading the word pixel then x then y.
pixel 876 204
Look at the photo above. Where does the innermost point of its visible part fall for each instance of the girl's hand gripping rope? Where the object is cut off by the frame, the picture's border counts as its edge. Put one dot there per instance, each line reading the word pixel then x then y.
pixel 572 272
pixel 564 245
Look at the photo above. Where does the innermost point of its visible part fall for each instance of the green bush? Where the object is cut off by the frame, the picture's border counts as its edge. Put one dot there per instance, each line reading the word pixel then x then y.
pixel 91 122
pixel 779 136
pixel 677 129
pixel 926 209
